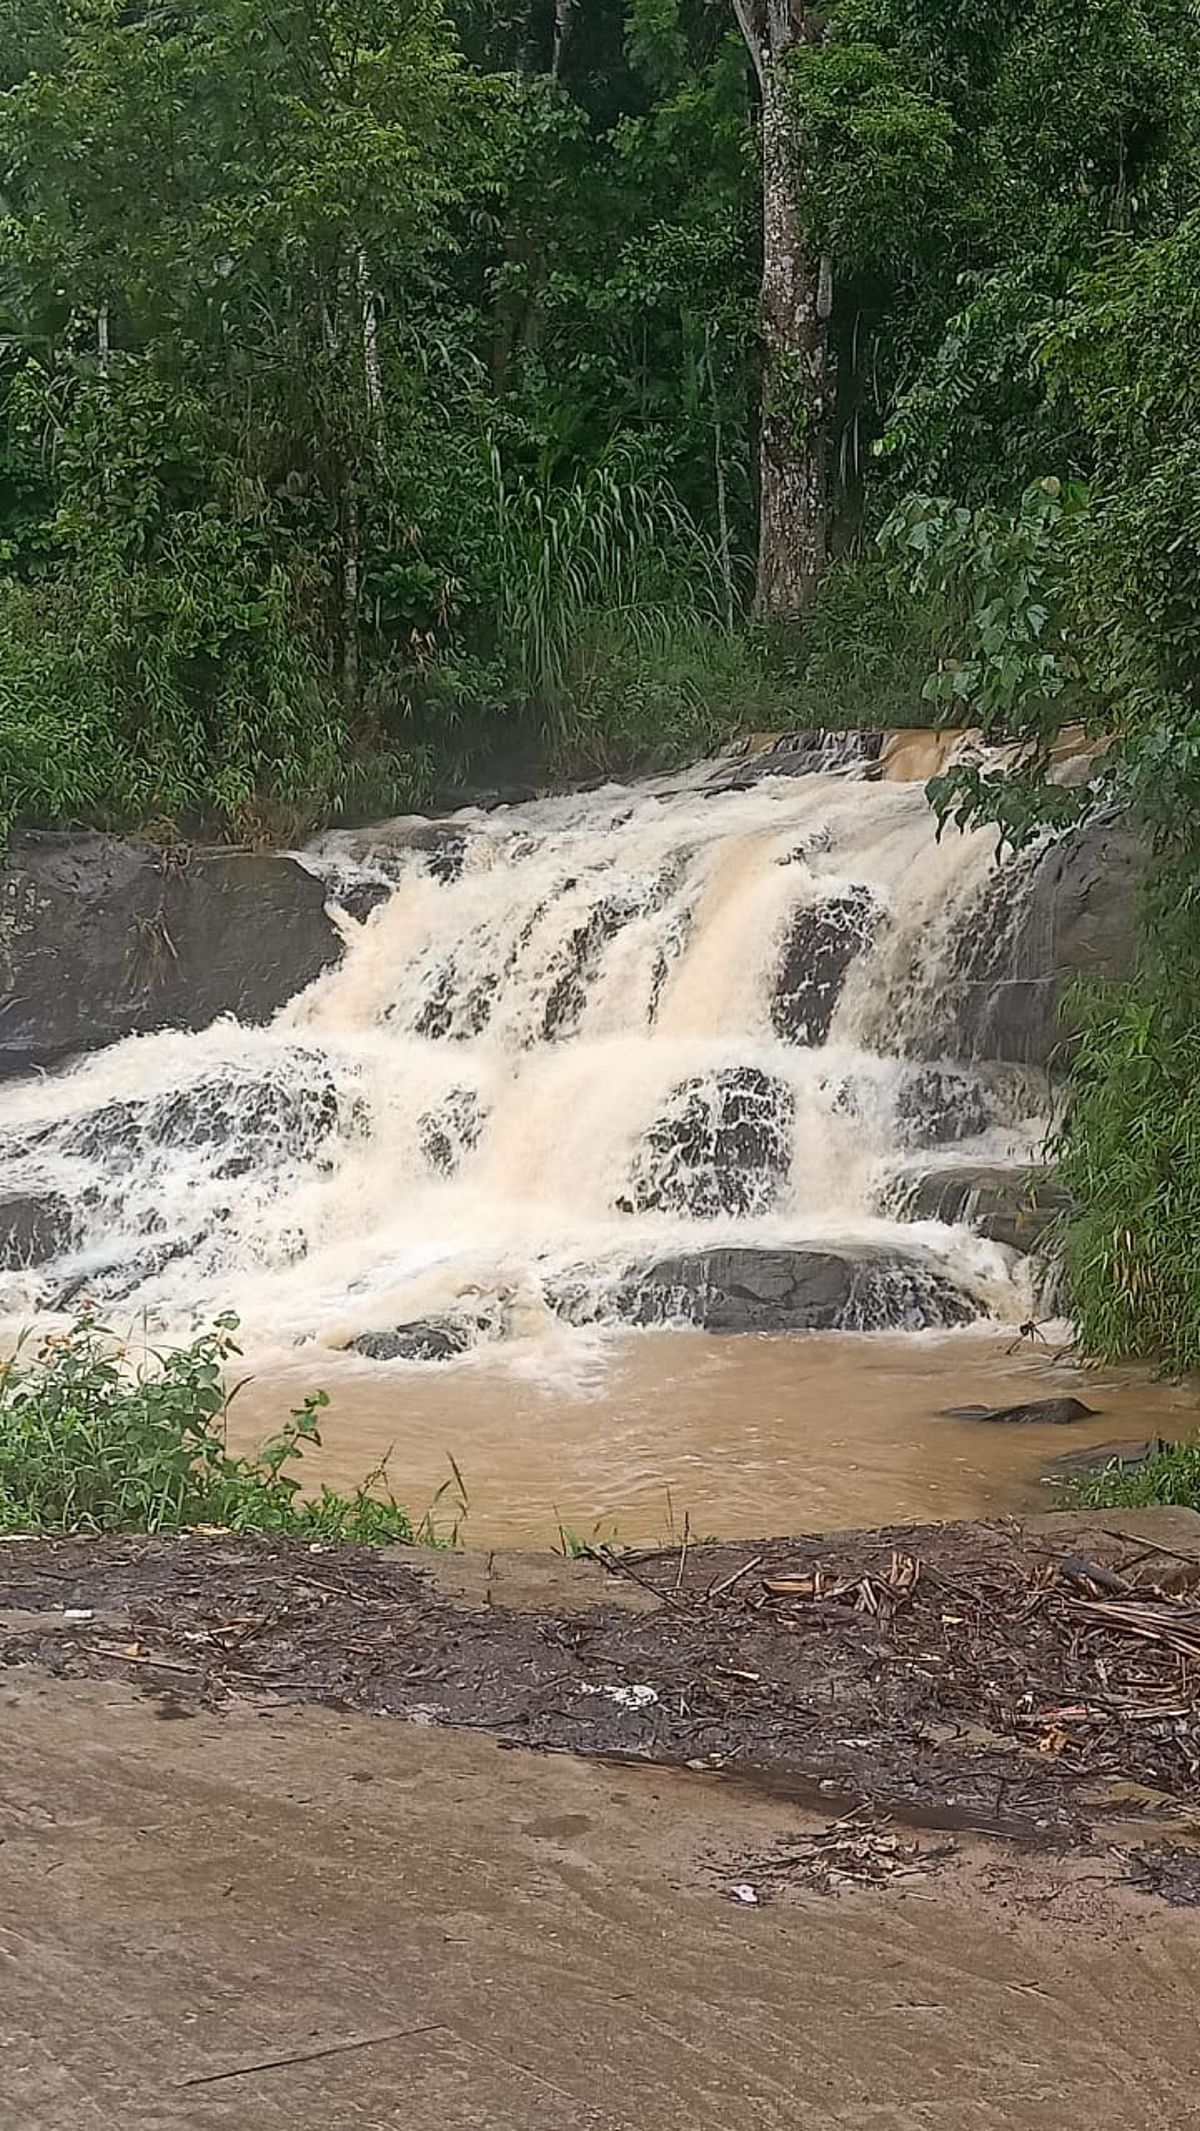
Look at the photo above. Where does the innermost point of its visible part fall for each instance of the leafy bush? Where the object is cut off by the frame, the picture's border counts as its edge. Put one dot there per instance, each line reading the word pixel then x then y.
pixel 1173 1477
pixel 90 1444
pixel 861 654
pixel 1130 1156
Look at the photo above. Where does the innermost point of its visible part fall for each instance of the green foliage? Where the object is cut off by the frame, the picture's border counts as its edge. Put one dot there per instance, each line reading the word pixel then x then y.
pixel 91 1443
pixel 195 423
pixel 1130 1156
pixel 1172 1477
pixel 874 154
pixel 860 656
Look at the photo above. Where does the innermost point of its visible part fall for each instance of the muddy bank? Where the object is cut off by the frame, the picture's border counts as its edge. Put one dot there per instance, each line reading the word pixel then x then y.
pixel 307 1920
pixel 1014 1679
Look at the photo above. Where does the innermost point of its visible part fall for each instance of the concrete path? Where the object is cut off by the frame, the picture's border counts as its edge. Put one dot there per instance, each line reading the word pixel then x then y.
pixel 412 1928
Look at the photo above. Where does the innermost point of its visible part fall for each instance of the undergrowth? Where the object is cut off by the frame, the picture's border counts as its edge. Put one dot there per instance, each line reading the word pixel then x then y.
pixel 92 1441
pixel 1171 1477
pixel 1130 1157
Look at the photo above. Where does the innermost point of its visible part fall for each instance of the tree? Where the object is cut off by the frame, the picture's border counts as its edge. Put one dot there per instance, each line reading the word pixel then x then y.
pixel 795 304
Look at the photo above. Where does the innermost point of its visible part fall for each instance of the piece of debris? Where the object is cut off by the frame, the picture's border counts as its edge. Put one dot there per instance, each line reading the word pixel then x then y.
pixel 746 1894
pixel 857 1851
pixel 636 1696
pixel 1169 1870
pixel 867 1594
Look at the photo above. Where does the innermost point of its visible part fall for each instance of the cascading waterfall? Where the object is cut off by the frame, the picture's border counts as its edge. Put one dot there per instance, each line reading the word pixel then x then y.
pixel 578 1056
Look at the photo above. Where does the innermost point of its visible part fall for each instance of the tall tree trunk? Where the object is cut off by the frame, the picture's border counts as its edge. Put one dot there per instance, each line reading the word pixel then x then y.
pixel 795 302
pixel 372 366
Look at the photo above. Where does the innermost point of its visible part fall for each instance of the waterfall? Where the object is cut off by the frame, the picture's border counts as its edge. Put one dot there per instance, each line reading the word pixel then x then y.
pixel 586 1058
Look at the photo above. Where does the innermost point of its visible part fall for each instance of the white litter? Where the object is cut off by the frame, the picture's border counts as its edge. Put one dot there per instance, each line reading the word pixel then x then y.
pixel 78 1613
pixel 634 1697
pixel 746 1894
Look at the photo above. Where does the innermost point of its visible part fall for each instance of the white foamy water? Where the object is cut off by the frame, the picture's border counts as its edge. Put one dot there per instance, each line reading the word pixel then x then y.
pixel 554 1050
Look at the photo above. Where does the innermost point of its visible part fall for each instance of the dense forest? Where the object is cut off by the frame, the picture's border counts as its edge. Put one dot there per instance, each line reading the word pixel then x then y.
pixel 388 391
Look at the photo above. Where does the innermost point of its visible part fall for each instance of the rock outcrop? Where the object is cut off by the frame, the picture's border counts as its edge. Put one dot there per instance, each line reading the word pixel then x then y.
pixel 822 941
pixel 1010 1205
pixel 745 1289
pixel 723 1147
pixel 1064 911
pixel 101 939
pixel 426 1339
pixel 34 1227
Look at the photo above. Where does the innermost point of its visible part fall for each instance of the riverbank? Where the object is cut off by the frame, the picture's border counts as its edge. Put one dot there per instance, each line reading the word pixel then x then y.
pixel 1013 1679
pixel 314 1921
pixel 915 1789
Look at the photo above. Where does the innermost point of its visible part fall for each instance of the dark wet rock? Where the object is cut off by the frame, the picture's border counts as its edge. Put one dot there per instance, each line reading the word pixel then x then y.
pixel 451 1130
pixel 584 952
pixel 426 1339
pixel 744 1289
pixel 358 898
pixel 1048 1412
pixel 1065 910
pixel 799 754
pixel 35 1226
pixel 1124 1456
pixel 452 1010
pixel 723 1147
pixel 116 1279
pixel 101 939
pixel 252 1120
pixel 821 944
pixel 935 1106
pixel 1013 1206
pixel 443 845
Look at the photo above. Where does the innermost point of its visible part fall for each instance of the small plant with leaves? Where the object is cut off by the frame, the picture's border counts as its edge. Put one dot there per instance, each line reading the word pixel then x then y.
pixel 1173 1476
pixel 90 1442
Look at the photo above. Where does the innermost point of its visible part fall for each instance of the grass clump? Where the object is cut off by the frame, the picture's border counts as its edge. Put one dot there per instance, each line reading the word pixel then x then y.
pixel 89 1443
pixel 1173 1477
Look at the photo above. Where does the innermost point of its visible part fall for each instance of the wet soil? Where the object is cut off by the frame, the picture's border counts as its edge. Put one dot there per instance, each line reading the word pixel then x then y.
pixel 296 1918
pixel 1020 1680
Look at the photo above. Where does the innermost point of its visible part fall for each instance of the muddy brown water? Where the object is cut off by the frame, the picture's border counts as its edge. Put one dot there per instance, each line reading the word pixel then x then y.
pixel 743 1436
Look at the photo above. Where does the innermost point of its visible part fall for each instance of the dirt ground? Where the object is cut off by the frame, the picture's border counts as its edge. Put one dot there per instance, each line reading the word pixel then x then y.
pixel 232 1897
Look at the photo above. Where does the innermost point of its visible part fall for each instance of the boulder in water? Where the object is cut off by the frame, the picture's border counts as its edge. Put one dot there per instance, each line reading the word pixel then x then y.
pixel 451 1129
pixel 426 1339
pixel 101 939
pixel 821 944
pixel 358 898
pixel 723 1147
pixel 1014 1206
pixel 1124 1456
pixel 248 1123
pixel 741 1288
pixel 1048 1412
pixel 937 1105
pixel 35 1226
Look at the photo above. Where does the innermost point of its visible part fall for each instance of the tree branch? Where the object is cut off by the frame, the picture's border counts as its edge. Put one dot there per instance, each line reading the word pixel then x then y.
pixel 754 45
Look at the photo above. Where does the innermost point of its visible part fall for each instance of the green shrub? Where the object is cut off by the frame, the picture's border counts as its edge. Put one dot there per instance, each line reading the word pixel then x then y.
pixel 89 1443
pixel 1130 1156
pixel 1173 1477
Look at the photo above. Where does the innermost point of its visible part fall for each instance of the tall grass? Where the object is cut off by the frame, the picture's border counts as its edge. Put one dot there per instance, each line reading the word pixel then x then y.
pixel 1130 1156
pixel 602 583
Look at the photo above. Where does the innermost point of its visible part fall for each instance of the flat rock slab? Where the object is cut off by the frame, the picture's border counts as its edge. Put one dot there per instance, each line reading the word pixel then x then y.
pixel 306 1920
pixel 963 1674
